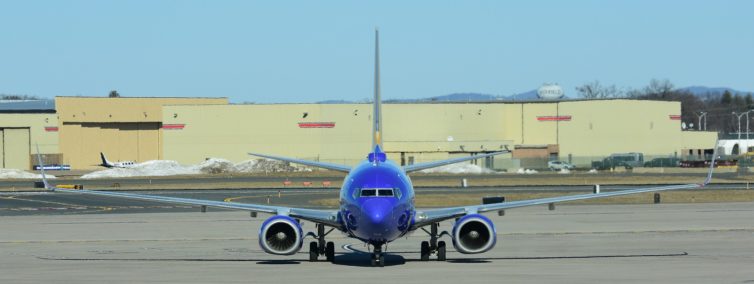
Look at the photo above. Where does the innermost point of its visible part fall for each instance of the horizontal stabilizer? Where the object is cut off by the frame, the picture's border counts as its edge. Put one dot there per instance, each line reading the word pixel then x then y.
pixel 429 165
pixel 329 166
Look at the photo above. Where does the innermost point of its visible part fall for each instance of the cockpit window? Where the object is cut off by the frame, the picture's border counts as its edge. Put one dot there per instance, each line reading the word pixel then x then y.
pixel 385 192
pixel 370 192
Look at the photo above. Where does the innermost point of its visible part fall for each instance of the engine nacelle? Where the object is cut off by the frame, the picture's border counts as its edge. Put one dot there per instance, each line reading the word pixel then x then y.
pixel 474 234
pixel 281 235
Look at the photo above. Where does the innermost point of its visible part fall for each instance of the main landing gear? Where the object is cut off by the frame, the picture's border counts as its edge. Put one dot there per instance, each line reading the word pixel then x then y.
pixel 321 247
pixel 433 247
pixel 378 258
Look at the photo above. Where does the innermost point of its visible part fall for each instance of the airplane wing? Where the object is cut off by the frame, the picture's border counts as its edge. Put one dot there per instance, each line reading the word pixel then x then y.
pixel 429 216
pixel 329 166
pixel 327 217
pixel 434 164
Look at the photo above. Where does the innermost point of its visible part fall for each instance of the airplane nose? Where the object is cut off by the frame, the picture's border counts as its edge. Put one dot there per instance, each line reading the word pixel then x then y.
pixel 377 210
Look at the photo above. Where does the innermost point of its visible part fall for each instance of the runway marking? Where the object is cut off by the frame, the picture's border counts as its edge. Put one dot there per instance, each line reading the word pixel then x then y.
pixel 347 247
pixel 38 201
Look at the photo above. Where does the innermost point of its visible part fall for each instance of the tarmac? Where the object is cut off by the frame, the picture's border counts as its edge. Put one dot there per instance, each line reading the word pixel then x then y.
pixel 656 243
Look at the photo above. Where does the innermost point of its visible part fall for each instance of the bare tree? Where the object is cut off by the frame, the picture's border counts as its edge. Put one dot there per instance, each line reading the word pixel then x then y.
pixel 17 97
pixel 659 87
pixel 595 90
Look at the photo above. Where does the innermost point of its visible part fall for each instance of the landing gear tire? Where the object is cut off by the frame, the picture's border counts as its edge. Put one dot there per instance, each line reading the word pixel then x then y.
pixel 378 258
pixel 313 251
pixel 441 251
pixel 425 251
pixel 330 251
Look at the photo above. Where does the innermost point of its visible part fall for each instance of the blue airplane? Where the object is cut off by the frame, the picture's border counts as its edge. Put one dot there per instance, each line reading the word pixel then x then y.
pixel 376 205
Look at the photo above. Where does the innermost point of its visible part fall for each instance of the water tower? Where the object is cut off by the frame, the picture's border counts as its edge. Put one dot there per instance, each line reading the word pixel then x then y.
pixel 550 92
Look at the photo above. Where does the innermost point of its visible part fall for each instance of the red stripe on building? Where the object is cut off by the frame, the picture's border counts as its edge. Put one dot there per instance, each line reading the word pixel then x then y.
pixel 554 118
pixel 316 124
pixel 675 117
pixel 173 126
pixel 51 128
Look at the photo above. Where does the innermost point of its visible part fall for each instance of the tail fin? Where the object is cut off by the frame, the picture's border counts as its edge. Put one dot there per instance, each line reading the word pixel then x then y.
pixel 105 162
pixel 712 165
pixel 377 113
pixel 42 170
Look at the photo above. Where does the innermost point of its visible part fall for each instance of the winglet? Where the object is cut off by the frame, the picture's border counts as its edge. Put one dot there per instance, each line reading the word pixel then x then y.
pixel 42 170
pixel 711 166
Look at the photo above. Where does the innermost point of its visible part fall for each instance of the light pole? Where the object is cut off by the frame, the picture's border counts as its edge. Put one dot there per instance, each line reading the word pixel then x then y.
pixel 739 124
pixel 739 130
pixel 739 115
pixel 702 114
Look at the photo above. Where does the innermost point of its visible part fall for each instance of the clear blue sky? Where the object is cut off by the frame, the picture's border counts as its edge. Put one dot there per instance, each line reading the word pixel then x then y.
pixel 308 51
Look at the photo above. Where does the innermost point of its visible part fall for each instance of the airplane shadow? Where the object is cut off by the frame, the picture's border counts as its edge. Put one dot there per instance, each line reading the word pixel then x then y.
pixel 363 259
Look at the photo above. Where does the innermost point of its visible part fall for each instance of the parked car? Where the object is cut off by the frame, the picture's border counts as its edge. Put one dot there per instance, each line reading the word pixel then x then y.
pixel 663 162
pixel 628 160
pixel 559 165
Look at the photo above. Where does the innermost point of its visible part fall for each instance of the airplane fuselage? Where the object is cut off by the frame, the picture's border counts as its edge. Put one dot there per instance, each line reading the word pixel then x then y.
pixel 377 202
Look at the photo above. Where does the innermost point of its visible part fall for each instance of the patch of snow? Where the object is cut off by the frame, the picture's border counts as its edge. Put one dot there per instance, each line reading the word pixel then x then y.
pixel 268 166
pixel 19 174
pixel 523 171
pixel 593 171
pixel 209 166
pixel 564 171
pixel 148 168
pixel 459 169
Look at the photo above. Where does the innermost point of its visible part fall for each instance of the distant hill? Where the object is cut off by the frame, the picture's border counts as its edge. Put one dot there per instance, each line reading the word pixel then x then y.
pixel 700 91
pixel 472 97
pixel 525 96
pixel 335 102
pixel 461 97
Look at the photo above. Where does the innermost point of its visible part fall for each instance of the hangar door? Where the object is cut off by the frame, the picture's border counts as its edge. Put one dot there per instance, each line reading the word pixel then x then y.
pixel 15 148
pixel 81 143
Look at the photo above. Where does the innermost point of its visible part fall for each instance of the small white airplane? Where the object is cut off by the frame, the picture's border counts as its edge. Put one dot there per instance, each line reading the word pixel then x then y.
pixel 121 164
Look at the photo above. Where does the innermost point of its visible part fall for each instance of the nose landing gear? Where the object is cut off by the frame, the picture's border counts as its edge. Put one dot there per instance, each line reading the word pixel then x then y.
pixel 378 258
pixel 321 247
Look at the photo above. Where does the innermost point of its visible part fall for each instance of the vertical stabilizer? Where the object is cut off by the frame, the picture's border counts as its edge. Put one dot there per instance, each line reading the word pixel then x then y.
pixel 42 169
pixel 105 162
pixel 377 113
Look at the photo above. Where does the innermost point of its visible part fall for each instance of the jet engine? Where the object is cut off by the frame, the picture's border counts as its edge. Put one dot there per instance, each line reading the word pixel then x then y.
pixel 474 233
pixel 281 235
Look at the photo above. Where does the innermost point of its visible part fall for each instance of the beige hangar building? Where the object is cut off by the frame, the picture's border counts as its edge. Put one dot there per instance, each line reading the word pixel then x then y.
pixel 189 130
pixel 579 131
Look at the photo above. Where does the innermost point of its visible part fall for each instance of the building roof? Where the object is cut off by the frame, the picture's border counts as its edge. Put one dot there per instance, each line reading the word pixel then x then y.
pixel 27 106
